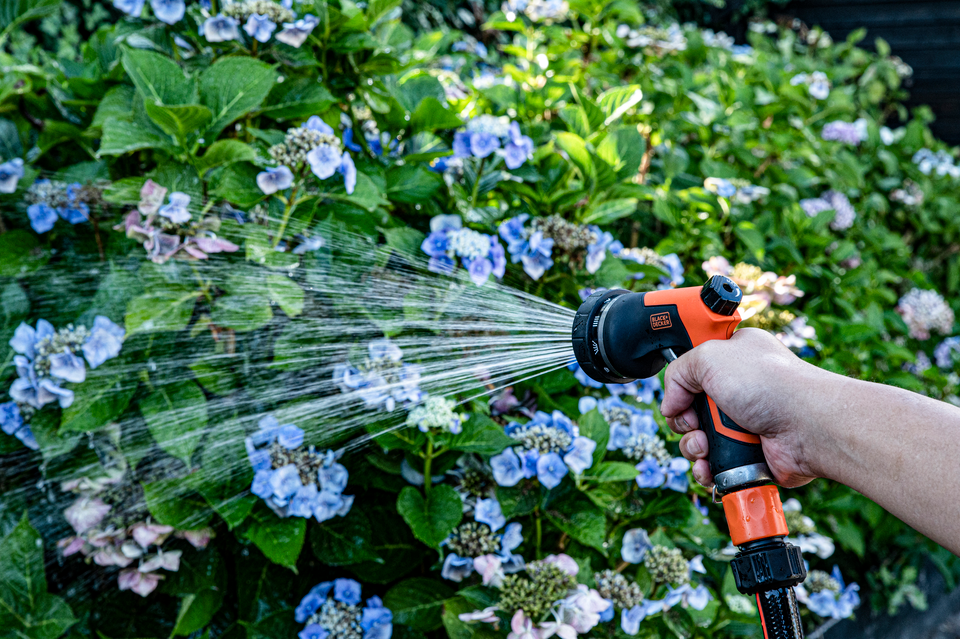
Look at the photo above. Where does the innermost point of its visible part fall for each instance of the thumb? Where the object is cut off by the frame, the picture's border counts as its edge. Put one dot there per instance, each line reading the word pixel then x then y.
pixel 683 380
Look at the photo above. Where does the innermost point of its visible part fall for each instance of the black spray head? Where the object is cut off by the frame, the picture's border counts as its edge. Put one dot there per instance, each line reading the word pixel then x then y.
pixel 617 338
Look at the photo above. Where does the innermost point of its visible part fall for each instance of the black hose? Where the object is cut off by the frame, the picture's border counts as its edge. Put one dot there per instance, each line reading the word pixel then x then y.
pixel 780 614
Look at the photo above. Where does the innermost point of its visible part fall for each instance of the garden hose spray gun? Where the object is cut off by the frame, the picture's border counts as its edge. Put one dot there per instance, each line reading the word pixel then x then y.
pixel 619 336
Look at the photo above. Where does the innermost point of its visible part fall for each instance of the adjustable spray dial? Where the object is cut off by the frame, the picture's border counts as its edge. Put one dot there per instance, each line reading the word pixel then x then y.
pixel 619 336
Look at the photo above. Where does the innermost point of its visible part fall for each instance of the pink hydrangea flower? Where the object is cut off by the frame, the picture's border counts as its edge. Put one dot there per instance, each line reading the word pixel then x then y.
pixel 564 562
pixel 85 513
pixel 151 197
pixel 490 568
pixel 148 534
pixel 197 538
pixel 142 583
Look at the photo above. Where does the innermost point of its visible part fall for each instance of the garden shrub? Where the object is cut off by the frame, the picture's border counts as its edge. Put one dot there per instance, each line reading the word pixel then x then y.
pixel 178 181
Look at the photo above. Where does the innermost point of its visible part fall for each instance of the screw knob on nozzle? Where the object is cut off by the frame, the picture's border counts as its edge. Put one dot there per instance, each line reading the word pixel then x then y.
pixel 721 295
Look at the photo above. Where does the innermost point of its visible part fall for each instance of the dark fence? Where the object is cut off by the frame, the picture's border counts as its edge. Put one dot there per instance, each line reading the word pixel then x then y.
pixel 925 34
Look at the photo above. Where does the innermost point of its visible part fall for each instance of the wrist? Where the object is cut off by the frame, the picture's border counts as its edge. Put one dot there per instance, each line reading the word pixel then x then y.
pixel 823 398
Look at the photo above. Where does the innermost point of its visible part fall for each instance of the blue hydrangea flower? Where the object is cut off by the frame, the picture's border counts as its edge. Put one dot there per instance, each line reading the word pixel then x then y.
pixel 943 353
pixel 332 609
pixel 643 390
pixel 487 511
pixel 281 486
pixel 518 150
pixel 10 174
pixel 275 179
pixel 457 568
pixel 259 27
pixel 33 346
pixel 349 171
pixel 176 210
pixel 378 381
pixel 652 474
pixel 130 7
pixel 325 159
pixel 530 248
pixel 720 186
pixel 104 342
pixel 221 28
pixel 168 11
pixel 74 212
pixel 677 478
pixel 13 424
pixel 597 251
pixel 549 447
pixel 296 33
pixel 636 543
pixel 42 217
pixel 630 619
pixel 833 604
pixel 482 255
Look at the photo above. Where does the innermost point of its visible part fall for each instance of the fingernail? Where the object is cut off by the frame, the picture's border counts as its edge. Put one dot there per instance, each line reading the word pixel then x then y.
pixel 694 447
pixel 683 423
pixel 696 476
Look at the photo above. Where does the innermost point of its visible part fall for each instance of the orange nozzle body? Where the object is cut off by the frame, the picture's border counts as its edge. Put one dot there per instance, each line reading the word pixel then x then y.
pixel 754 513
pixel 701 323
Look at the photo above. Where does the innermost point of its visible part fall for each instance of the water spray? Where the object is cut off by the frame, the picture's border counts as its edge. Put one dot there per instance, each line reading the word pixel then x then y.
pixel 619 336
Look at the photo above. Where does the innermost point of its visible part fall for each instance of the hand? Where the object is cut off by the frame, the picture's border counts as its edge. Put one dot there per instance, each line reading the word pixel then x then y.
pixel 761 385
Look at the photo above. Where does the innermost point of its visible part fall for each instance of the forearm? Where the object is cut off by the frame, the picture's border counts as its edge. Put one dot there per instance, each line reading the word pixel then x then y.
pixel 893 446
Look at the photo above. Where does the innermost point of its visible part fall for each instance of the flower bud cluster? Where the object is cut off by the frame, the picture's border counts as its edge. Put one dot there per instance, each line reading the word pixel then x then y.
pixel 567 237
pixel 667 565
pixel 535 594
pixel 639 446
pixel 298 143
pixel 242 10
pixel 818 581
pixel 436 413
pixel 615 587
pixel 473 539
pixel 542 438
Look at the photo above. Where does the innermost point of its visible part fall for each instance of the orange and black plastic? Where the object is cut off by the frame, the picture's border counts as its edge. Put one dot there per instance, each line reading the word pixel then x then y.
pixel 619 336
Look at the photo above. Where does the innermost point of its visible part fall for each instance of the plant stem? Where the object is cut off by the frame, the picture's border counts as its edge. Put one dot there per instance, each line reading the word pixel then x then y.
pixel 427 463
pixel 476 184
pixel 3 227
pixel 287 212
pixel 539 531
pixel 621 566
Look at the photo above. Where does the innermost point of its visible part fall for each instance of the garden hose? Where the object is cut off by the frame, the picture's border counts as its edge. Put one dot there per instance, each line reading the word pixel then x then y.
pixel 619 336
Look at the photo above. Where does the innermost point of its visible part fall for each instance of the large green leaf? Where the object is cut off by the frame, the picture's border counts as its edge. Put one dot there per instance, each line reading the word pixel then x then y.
pixel 20 253
pixel 576 149
pixel 123 136
pixel 98 401
pixel 434 518
pixel 242 312
pixel 286 294
pixel 582 520
pixel 176 415
pixel 232 87
pixel 281 540
pixel 418 602
pixel 173 502
pixel 297 98
pixel 15 12
pixel 482 435
pixel 158 78
pixel 342 541
pixel 180 121
pixel 224 152
pixel 164 310
pixel 224 476
pixel 27 610
pixel 412 183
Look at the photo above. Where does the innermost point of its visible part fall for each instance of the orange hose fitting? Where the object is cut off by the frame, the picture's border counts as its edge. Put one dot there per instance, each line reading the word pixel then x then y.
pixel 754 513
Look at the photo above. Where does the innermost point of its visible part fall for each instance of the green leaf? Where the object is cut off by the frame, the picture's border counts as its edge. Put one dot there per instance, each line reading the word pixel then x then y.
pixel 582 520
pixel 182 122
pixel 224 152
pixel 98 401
pixel 215 375
pixel 158 78
pixel 10 144
pixel 244 312
pixel 20 253
pixel 232 87
pixel 14 12
pixel 412 184
pixel 281 540
pixel 196 611
pixel 432 115
pixel 418 603
pixel 576 149
pixel 366 194
pixel 612 472
pixel 238 184
pixel 433 519
pixel 117 103
pixel 481 435
pixel 611 211
pixel 404 239
pixel 176 415
pixel 342 541
pixel 297 97
pixel 286 294
pixel 27 610
pixel 593 425
pixel 398 552
pixel 222 480
pixel 414 89
pixel 379 8
pixel 123 136
pixel 616 102
pixel 165 310
pixel 172 502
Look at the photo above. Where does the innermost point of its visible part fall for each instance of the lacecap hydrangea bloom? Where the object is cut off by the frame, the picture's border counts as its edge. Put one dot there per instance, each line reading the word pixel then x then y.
pixel 477 545
pixel 287 473
pixel 332 610
pixel 486 135
pixel 436 414
pixel 826 594
pixel 669 263
pixel 45 360
pixel 482 255
pixel 109 533
pixel 925 311
pixel 49 200
pixel 817 83
pixel 315 145
pixel 382 380
pixel 536 244
pixel 941 163
pixel 740 191
pixel 838 202
pixel 169 230
pixel 549 447
pixel 260 20
pixel 803 531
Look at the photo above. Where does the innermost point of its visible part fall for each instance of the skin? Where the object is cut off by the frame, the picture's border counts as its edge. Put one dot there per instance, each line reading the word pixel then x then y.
pixel 889 444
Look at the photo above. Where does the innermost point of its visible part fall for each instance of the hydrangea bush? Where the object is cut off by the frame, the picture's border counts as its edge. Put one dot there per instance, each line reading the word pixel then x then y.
pixel 178 177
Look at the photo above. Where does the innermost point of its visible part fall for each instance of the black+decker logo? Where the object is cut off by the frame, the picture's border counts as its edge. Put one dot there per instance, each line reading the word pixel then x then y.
pixel 660 321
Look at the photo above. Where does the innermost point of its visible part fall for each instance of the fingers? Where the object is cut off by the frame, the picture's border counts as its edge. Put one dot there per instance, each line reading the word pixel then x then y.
pixel 694 447
pixel 684 422
pixel 681 384
pixel 701 472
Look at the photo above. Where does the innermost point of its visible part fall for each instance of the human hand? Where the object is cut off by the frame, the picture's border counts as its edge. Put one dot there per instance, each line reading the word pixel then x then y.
pixel 761 385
